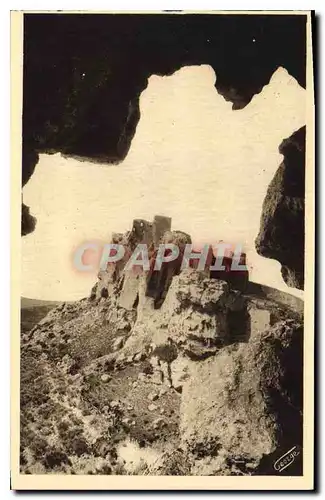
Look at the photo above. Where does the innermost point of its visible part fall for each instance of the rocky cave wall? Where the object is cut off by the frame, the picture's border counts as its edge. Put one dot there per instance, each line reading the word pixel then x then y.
pixel 83 75
pixel 208 382
pixel 281 235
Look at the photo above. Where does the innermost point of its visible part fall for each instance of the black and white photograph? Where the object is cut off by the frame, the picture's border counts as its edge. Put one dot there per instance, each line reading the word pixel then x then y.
pixel 165 192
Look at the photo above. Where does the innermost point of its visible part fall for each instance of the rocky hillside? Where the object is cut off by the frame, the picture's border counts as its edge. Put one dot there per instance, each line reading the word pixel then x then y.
pixel 173 373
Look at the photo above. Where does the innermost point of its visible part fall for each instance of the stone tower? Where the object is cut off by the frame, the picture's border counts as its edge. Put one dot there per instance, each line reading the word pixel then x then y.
pixel 161 224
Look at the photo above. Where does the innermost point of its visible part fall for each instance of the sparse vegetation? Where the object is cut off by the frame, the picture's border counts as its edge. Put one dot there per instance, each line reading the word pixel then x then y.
pixel 85 396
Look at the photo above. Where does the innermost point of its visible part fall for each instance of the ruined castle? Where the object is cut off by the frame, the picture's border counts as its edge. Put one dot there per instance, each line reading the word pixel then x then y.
pixel 159 231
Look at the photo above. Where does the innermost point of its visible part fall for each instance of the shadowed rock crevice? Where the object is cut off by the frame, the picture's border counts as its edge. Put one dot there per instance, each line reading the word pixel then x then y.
pixel 282 228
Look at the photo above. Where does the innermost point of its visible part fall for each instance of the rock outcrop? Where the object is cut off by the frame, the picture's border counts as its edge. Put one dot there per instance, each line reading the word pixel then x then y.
pixel 282 230
pixel 246 402
pixel 28 221
pixel 29 161
pixel 207 381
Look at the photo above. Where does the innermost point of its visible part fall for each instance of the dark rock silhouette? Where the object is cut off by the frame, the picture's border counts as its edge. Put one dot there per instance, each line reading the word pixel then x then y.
pixel 83 74
pixel 281 235
pixel 29 161
pixel 28 222
pixel 223 368
pixel 237 279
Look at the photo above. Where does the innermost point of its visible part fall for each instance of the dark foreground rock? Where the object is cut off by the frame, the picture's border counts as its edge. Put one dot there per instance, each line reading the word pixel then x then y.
pixel 282 230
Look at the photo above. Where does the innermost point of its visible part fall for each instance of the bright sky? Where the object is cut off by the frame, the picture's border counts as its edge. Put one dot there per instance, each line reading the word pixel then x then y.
pixel 193 158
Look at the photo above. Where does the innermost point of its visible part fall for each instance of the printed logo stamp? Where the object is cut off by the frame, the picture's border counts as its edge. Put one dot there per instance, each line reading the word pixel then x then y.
pixel 286 459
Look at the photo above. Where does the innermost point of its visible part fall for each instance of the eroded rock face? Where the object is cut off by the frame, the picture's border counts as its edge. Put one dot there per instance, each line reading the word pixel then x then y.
pixel 198 311
pixel 197 315
pixel 83 77
pixel 246 402
pixel 281 235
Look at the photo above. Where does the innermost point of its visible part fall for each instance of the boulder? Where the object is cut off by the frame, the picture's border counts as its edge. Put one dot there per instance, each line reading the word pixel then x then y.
pixel 282 228
pixel 246 402
pixel 198 311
